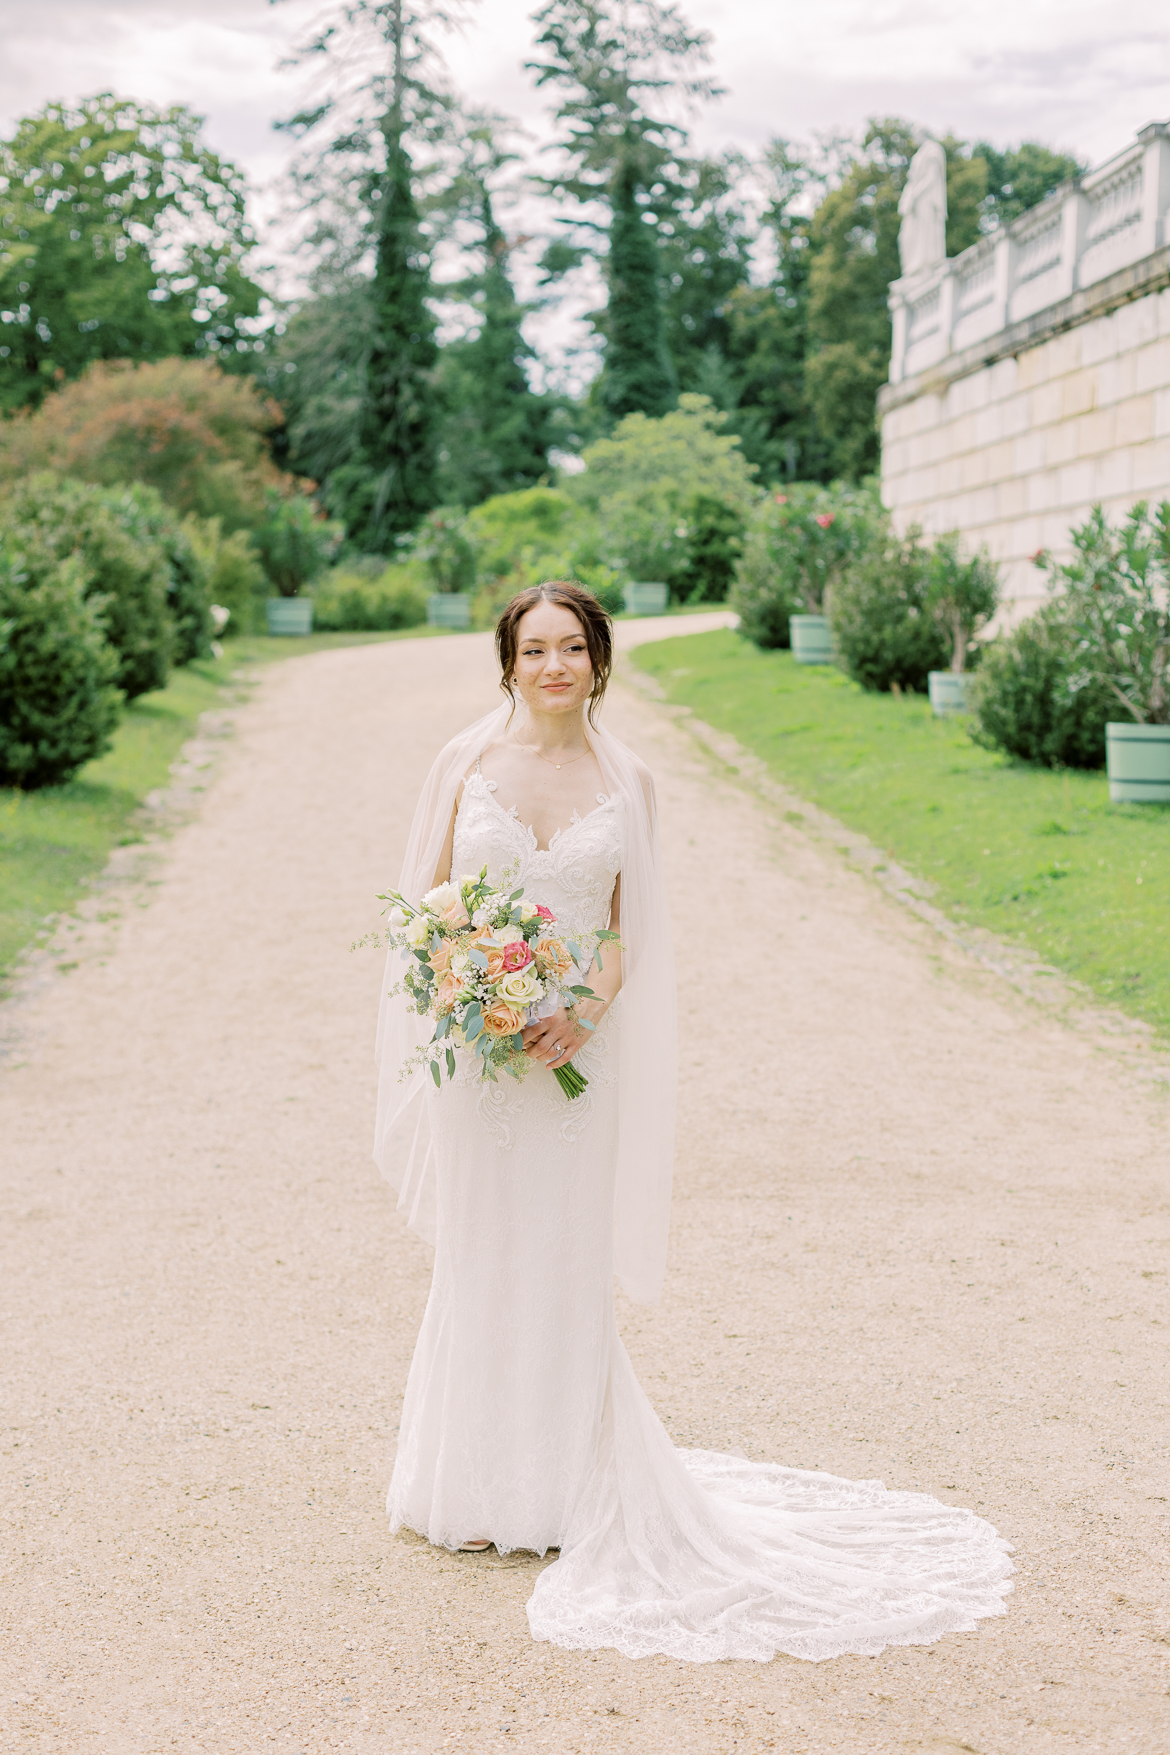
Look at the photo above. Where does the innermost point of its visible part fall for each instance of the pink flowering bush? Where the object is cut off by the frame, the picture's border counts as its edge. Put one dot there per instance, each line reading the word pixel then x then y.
pixel 798 545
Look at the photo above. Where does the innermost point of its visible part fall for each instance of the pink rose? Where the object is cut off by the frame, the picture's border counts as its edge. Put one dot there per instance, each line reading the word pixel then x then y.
pixel 780 499
pixel 516 956
pixel 824 519
pixel 543 913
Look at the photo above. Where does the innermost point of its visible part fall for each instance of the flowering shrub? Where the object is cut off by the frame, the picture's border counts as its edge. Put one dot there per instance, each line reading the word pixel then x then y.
pixel 798 544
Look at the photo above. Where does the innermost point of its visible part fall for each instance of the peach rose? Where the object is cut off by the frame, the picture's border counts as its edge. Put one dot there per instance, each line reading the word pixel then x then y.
pixel 495 957
pixel 447 992
pixel 456 914
pixel 503 1020
pixel 440 960
pixel 552 957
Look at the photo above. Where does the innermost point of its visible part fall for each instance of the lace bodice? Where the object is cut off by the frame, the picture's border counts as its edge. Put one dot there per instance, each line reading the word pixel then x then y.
pixel 574 875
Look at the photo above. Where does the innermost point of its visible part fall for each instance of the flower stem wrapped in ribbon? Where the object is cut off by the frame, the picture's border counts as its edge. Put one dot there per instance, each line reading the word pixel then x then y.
pixel 485 962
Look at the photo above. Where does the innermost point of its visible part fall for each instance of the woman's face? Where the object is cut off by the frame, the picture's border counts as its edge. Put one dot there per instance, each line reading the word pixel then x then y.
pixel 554 673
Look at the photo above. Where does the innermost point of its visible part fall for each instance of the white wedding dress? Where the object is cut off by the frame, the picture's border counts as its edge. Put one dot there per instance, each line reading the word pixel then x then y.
pixel 524 1423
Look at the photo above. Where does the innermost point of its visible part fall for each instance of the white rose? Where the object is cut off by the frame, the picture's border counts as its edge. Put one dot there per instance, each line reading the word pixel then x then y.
pixel 442 897
pixel 396 918
pixel 527 911
pixel 459 962
pixel 521 988
pixel 508 935
pixel 418 932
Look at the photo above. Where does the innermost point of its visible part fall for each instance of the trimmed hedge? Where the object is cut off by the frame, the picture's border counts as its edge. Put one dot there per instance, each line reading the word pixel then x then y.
pixel 58 703
pixel 124 564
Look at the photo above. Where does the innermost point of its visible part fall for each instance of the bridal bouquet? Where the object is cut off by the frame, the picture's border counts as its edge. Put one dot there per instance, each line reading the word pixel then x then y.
pixel 484 963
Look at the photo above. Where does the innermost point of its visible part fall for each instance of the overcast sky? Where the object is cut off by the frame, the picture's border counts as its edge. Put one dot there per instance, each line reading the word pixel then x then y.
pixel 1077 75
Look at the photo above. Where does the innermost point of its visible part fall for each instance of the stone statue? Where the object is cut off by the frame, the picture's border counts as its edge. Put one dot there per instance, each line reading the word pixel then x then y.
pixel 922 236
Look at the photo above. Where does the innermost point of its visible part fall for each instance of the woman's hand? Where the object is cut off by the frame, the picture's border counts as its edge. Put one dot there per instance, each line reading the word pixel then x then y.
pixel 554 1041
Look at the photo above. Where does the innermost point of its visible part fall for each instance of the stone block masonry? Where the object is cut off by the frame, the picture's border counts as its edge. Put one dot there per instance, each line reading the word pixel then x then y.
pixel 1008 414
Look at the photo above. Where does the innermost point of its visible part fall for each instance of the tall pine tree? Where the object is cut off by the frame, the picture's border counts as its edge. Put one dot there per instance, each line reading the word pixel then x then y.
pixel 496 430
pixel 639 374
pixel 377 123
pixel 621 64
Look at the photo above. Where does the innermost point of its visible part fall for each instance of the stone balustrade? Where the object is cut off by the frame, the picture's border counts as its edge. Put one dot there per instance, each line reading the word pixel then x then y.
pixel 1085 232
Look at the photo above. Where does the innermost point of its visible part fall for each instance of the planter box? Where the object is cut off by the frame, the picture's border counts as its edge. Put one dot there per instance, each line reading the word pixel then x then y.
pixel 646 599
pixel 448 609
pixel 1138 761
pixel 812 639
pixel 948 692
pixel 289 615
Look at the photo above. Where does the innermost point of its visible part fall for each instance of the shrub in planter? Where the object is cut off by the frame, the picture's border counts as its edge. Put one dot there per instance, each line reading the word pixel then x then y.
pixel 295 543
pixel 883 629
pixel 444 547
pixel 963 595
pixel 1033 699
pixel 796 548
pixel 347 602
pixel 124 561
pixel 1115 593
pixel 58 702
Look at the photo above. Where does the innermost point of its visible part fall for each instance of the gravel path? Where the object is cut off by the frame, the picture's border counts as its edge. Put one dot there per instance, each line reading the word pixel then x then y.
pixel 922 1232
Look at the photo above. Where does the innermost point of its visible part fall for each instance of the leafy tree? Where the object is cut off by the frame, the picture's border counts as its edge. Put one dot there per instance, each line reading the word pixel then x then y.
pixel 704 239
pixel 58 703
pixel 496 430
pixel 854 257
pixel 645 485
pixel 380 105
pixel 122 236
pixel 1021 177
pixel 182 426
pixel 620 68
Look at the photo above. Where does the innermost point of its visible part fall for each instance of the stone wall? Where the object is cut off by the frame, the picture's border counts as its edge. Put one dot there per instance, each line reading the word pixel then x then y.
pixel 1006 419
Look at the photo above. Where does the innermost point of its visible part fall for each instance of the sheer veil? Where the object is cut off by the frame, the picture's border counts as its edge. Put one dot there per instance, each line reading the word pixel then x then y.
pixel 647 1038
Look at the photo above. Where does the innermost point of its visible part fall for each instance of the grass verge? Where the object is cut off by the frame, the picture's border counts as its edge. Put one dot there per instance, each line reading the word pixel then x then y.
pixel 1039 858
pixel 52 842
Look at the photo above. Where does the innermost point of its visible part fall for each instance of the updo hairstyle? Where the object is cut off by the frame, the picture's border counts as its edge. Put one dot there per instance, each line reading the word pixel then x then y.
pixel 595 624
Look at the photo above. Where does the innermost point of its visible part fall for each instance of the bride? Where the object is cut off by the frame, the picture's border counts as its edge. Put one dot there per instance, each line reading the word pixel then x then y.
pixel 523 1424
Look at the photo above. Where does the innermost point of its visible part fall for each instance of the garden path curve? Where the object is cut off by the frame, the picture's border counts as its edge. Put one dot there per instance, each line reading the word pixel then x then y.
pixel 921 1232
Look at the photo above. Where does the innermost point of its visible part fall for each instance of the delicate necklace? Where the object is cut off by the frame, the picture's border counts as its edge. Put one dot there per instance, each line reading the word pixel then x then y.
pixel 557 765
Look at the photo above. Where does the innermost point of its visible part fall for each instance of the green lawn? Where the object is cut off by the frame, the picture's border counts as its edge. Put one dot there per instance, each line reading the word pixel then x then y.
pixel 52 841
pixel 1040 858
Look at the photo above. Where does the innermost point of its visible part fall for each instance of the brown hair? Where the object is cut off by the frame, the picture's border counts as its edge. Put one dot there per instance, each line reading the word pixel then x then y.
pixel 595 622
